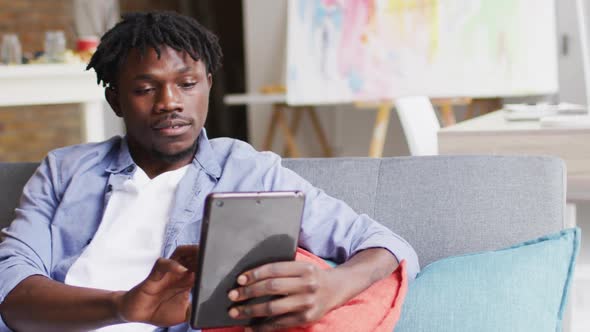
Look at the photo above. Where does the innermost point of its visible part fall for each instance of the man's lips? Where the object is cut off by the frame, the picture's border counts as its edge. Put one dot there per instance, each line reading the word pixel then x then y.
pixel 170 123
pixel 172 126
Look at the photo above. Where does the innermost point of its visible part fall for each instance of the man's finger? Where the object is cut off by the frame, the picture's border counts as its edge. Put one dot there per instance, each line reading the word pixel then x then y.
pixel 163 266
pixel 185 250
pixel 187 281
pixel 277 307
pixel 276 270
pixel 187 255
pixel 273 286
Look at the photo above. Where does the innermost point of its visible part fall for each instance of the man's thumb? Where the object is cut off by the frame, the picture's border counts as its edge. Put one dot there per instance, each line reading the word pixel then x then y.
pixel 163 266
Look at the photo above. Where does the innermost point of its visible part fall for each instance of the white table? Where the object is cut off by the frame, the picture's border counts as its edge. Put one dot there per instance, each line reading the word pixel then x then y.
pixel 491 133
pixel 47 84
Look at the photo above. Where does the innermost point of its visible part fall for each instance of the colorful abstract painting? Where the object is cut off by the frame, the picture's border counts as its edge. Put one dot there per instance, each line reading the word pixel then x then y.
pixel 373 50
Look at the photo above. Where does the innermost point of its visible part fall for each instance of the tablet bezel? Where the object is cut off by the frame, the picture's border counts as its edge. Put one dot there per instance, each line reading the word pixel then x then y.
pixel 283 250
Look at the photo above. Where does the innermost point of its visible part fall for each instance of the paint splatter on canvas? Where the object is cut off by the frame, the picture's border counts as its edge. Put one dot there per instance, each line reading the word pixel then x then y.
pixel 355 50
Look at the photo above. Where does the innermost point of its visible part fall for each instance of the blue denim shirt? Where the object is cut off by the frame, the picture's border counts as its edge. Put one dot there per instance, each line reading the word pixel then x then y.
pixel 63 203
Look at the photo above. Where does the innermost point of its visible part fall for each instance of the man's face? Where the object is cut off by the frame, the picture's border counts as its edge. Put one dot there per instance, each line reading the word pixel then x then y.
pixel 163 102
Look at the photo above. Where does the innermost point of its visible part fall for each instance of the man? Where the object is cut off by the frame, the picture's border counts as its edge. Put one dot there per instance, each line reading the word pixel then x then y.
pixel 94 218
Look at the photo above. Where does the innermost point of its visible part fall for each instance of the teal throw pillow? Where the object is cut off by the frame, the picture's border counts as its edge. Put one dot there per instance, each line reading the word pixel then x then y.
pixel 521 288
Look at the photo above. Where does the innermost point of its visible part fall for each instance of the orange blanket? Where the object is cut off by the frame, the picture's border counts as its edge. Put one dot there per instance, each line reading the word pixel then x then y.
pixel 378 308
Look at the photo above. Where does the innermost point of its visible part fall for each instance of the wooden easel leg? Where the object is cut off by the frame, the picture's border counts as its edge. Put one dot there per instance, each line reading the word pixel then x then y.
pixel 447 114
pixel 493 104
pixel 295 121
pixel 470 113
pixel 272 125
pixel 380 131
pixel 317 126
pixel 293 151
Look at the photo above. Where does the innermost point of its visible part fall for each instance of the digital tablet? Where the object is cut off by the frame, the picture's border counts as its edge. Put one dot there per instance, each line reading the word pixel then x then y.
pixel 241 231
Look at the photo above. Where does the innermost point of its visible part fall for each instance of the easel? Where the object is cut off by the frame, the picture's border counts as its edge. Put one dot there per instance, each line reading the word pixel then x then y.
pixel 445 105
pixel 275 96
pixel 482 105
pixel 380 130
pixel 446 108
pixel 289 131
pixel 380 127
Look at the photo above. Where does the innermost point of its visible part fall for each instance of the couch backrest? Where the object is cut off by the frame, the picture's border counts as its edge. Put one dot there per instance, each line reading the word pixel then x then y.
pixel 443 205
pixel 13 177
pixel 449 205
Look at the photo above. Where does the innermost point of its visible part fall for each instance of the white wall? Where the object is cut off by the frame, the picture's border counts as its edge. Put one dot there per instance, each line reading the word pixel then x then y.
pixel 572 80
pixel 113 125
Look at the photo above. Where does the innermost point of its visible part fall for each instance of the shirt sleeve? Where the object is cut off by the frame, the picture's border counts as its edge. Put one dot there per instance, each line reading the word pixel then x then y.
pixel 25 248
pixel 331 229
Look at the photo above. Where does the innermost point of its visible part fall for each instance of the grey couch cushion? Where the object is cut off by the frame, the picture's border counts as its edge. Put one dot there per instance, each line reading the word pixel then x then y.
pixel 448 205
pixel 443 205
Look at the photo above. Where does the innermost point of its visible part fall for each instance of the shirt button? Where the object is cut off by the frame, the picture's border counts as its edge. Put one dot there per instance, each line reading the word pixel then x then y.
pixel 109 187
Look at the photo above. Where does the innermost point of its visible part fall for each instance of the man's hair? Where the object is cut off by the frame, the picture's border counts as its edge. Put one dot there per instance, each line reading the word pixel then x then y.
pixel 153 29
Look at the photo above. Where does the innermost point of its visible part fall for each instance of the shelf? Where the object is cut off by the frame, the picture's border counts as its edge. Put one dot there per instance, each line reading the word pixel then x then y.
pixel 54 84
pixel 45 84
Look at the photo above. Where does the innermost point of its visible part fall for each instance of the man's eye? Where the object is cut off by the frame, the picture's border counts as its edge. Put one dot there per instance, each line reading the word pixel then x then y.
pixel 143 91
pixel 188 85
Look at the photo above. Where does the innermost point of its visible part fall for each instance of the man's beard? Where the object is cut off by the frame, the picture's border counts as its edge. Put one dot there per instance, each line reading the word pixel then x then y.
pixel 173 158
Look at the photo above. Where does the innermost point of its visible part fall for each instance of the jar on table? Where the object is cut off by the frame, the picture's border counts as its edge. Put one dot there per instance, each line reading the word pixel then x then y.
pixel 11 51
pixel 55 46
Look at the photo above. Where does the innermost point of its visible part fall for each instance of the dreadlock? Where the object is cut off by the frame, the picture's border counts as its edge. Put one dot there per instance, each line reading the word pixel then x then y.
pixel 153 30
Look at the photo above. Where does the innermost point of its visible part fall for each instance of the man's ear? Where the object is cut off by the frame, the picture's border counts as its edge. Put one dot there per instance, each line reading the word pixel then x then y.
pixel 209 79
pixel 112 97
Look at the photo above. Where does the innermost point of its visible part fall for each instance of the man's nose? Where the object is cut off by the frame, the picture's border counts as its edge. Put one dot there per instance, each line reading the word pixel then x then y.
pixel 168 100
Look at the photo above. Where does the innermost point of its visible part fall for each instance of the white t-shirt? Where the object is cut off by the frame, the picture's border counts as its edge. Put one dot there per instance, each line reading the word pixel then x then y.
pixel 129 239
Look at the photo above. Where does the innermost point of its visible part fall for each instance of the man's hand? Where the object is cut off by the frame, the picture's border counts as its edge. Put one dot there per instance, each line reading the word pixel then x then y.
pixel 163 298
pixel 308 294
pixel 308 291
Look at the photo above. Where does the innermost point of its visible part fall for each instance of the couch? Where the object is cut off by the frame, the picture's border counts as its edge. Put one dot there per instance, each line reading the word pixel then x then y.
pixel 442 205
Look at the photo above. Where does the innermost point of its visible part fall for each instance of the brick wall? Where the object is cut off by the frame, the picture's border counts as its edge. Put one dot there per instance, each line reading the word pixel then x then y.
pixel 28 133
pixel 31 18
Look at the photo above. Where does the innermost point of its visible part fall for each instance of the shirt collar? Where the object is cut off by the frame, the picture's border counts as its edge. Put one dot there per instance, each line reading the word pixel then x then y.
pixel 123 161
pixel 205 157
